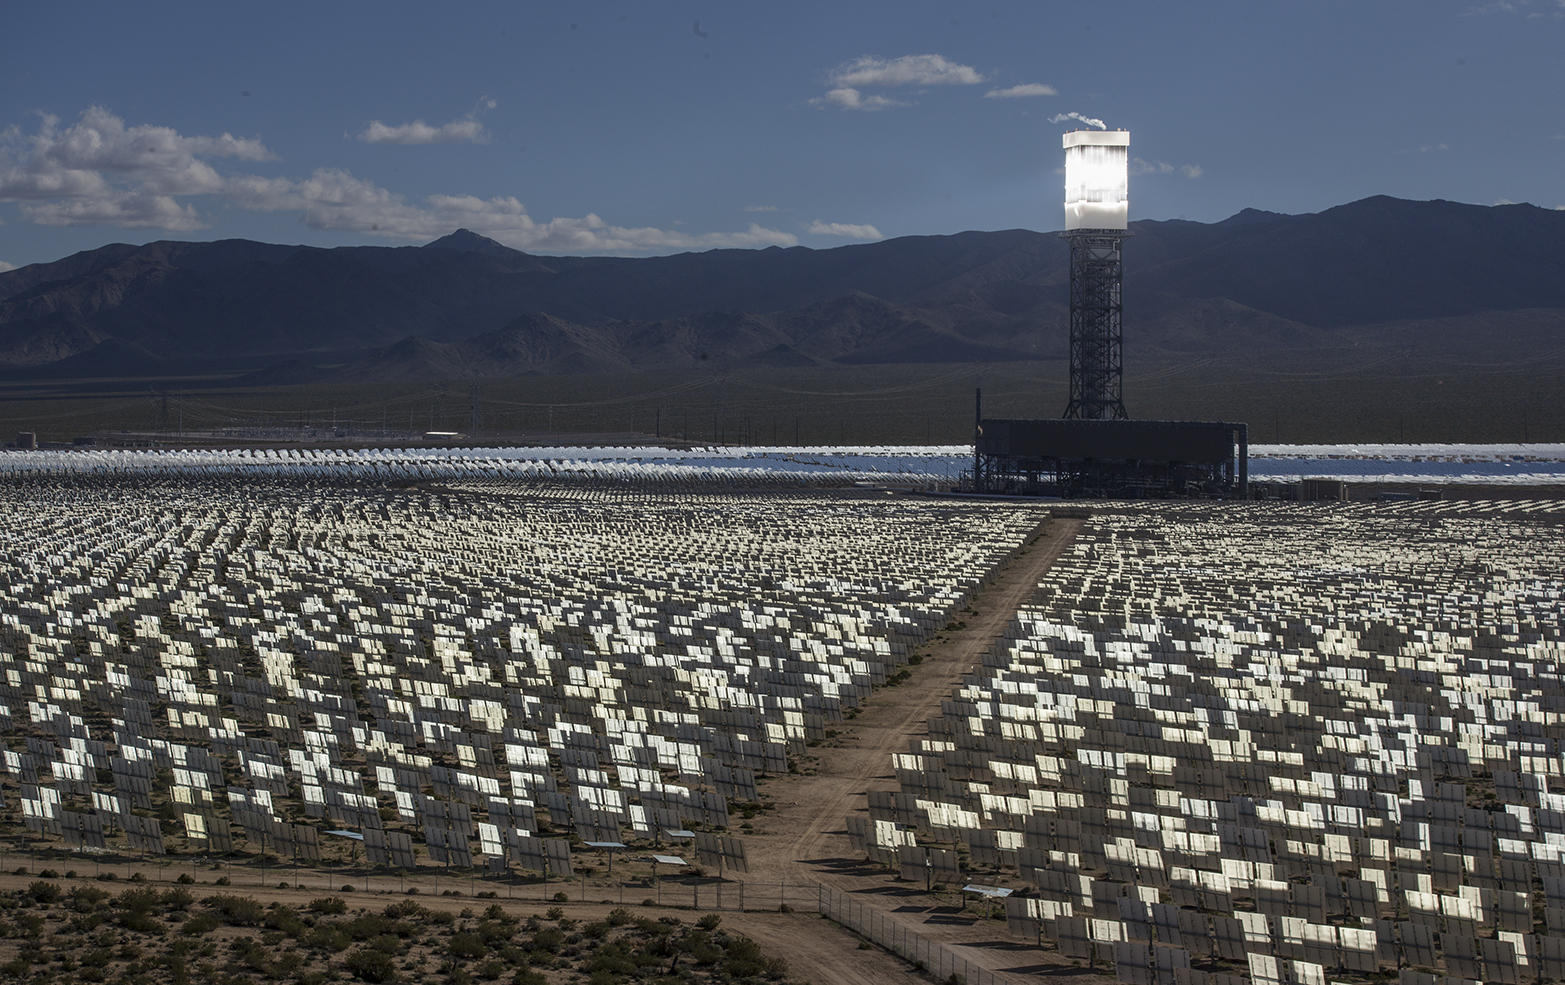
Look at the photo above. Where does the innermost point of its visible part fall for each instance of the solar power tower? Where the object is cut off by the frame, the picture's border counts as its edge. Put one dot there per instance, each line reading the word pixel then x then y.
pixel 1097 208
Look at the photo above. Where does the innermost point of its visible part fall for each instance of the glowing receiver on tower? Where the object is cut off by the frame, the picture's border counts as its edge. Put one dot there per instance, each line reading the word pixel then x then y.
pixel 1097 165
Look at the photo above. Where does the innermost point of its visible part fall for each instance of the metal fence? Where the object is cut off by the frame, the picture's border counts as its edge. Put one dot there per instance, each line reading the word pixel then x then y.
pixel 935 959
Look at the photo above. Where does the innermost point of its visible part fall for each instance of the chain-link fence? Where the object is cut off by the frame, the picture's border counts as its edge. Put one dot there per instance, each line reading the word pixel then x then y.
pixel 935 959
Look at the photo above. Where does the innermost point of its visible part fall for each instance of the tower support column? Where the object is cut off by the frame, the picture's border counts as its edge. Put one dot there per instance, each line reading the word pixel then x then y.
pixel 1096 335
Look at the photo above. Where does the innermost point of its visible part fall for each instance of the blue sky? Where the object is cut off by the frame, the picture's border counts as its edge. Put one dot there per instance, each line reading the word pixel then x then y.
pixel 643 128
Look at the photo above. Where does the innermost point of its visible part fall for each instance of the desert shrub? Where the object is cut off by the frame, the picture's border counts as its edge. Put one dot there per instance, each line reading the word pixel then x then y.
pixel 495 931
pixel 745 960
pixel 610 961
pixel 704 950
pixel 554 913
pixel 364 926
pixel 201 923
pixel 327 937
pixel 177 899
pixel 28 925
pixel 370 965
pixel 239 911
pixel 619 917
pixel 549 940
pixel 328 904
pixel 405 908
pixel 44 892
pixel 562 897
pixel 285 919
pixel 137 908
pixel 390 943
pixel 48 874
pixel 85 899
pixel 467 945
pixel 186 879
pixel 709 922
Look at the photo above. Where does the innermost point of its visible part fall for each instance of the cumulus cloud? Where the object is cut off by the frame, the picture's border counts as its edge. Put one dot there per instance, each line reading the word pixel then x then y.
pixel 845 230
pixel 1139 166
pixel 6 266
pixel 419 132
pixel 1062 117
pixel 1022 91
pixel 98 171
pixel 924 70
pixel 334 199
pixel 468 130
pixel 853 99
pixel 847 79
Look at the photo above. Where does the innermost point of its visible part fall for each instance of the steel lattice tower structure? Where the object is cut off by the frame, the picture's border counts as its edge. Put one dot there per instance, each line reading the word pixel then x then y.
pixel 1096 220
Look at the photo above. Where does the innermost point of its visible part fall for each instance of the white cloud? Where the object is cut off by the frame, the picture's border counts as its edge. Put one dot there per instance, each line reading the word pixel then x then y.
pixel 468 130
pixel 868 71
pixel 336 200
pixel 853 99
pixel 845 230
pixel 1022 91
pixel 1139 166
pixel 760 208
pixel 1062 117
pixel 98 171
pixel 6 266
pixel 418 132
pixel 924 70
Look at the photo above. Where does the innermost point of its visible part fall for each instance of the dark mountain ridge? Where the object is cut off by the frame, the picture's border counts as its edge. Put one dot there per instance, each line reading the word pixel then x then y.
pixel 465 305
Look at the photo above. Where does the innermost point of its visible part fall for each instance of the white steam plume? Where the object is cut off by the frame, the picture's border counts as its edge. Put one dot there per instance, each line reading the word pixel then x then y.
pixel 1062 117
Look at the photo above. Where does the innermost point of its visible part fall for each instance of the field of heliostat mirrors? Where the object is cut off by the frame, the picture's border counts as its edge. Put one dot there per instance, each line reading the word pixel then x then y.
pixel 325 727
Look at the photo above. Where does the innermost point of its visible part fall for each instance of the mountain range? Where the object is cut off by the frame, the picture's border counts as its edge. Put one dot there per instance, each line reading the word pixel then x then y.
pixel 1429 276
